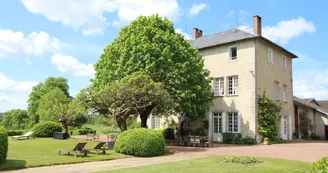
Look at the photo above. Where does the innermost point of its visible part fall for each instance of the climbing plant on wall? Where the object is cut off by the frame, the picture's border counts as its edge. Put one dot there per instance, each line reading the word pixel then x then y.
pixel 268 111
pixel 305 122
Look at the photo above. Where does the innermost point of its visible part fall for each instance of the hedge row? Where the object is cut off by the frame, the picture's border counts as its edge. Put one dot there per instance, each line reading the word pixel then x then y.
pixel 3 145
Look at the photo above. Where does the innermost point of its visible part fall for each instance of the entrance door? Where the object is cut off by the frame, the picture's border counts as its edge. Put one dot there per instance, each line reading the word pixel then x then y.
pixel 326 131
pixel 283 128
pixel 217 127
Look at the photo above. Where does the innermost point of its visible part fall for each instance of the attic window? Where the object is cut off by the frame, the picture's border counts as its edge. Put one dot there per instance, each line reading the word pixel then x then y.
pixel 232 53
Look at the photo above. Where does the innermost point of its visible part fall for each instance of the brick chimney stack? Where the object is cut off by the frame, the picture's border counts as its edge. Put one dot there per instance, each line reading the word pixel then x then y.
pixel 257 25
pixel 197 33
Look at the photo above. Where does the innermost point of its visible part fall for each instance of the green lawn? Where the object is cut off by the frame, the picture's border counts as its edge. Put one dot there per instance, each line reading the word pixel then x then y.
pixel 210 164
pixel 43 151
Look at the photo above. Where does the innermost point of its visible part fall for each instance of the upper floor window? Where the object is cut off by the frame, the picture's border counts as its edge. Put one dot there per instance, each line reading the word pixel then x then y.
pixel 218 86
pixel 233 53
pixel 270 56
pixel 284 62
pixel 233 85
pixel 276 90
pixel 284 93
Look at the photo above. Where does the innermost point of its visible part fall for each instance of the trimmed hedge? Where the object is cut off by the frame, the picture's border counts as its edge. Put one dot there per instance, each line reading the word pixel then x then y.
pixel 315 136
pixel 232 138
pixel 15 132
pixel 84 131
pixel 320 166
pixel 46 128
pixel 169 133
pixel 141 142
pixel 3 145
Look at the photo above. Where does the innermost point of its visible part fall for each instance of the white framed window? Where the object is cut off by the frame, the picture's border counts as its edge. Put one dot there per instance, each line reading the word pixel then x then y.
pixel 284 62
pixel 270 55
pixel 218 86
pixel 154 122
pixel 276 90
pixel 233 85
pixel 217 124
pixel 284 93
pixel 233 53
pixel 233 122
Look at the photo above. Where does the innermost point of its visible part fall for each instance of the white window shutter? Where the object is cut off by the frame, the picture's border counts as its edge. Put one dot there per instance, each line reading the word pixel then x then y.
pixel 239 122
pixel 210 124
pixel 224 122
pixel 281 126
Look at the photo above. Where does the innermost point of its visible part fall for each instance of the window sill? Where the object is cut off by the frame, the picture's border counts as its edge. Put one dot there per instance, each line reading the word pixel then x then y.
pixel 232 95
pixel 232 60
pixel 277 100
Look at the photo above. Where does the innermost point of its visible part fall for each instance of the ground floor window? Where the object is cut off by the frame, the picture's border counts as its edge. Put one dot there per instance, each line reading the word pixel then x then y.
pixel 154 122
pixel 217 122
pixel 232 122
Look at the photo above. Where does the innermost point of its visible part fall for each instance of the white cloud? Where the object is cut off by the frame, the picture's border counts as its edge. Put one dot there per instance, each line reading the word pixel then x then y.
pixel 13 94
pixel 288 29
pixel 90 15
pixel 196 8
pixel 179 30
pixel 66 63
pixel 310 78
pixel 16 44
pixel 284 30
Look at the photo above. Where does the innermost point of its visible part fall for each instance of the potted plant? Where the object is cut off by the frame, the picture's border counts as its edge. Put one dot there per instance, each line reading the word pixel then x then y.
pixel 266 141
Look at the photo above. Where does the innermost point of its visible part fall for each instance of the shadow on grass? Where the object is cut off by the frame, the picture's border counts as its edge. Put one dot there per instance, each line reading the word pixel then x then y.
pixel 12 164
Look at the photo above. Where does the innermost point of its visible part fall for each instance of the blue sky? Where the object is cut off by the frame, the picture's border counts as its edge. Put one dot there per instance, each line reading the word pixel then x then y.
pixel 42 38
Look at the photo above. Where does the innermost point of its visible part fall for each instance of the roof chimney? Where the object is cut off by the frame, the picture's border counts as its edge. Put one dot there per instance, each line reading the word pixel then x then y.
pixel 257 25
pixel 197 33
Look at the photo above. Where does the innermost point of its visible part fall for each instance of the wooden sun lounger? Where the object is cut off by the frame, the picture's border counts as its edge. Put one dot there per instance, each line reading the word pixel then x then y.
pixel 79 148
pixel 98 148
pixel 26 135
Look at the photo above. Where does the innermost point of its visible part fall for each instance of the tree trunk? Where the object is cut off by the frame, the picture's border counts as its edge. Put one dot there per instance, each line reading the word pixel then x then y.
pixel 65 127
pixel 145 114
pixel 121 124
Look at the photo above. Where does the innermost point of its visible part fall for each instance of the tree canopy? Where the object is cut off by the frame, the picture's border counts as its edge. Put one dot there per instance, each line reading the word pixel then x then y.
pixel 56 106
pixel 41 89
pixel 130 96
pixel 150 44
pixel 15 119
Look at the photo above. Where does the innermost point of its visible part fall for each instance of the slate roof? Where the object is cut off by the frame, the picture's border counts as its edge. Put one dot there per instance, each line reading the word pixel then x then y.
pixel 310 105
pixel 228 36
pixel 323 103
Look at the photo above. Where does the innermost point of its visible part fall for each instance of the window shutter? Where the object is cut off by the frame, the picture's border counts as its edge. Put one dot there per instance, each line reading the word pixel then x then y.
pixel 281 126
pixel 210 124
pixel 290 128
pixel 224 122
pixel 239 122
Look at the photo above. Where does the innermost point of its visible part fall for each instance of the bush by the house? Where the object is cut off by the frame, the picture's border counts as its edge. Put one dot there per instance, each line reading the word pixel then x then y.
pixel 315 136
pixel 160 132
pixel 46 128
pixel 3 145
pixel 248 140
pixel 320 166
pixel 84 131
pixel 110 130
pixel 169 133
pixel 241 160
pixel 15 132
pixel 232 138
pixel 140 142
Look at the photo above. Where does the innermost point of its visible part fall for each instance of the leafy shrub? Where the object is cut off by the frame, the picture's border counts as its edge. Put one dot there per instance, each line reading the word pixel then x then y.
pixel 315 136
pixel 15 132
pixel 135 125
pixel 84 131
pixel 248 140
pixel 46 128
pixel 3 145
pixel 140 142
pixel 241 160
pixel 296 135
pixel 199 132
pixel 110 130
pixel 276 140
pixel 232 138
pixel 160 132
pixel 169 133
pixel 319 166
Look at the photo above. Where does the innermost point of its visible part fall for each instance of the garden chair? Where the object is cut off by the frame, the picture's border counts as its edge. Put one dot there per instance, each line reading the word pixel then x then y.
pixel 97 148
pixel 79 148
pixel 26 135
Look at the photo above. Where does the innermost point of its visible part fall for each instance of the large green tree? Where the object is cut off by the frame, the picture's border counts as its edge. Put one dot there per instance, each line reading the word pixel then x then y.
pixel 56 106
pixel 41 89
pixel 132 95
pixel 15 119
pixel 151 44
